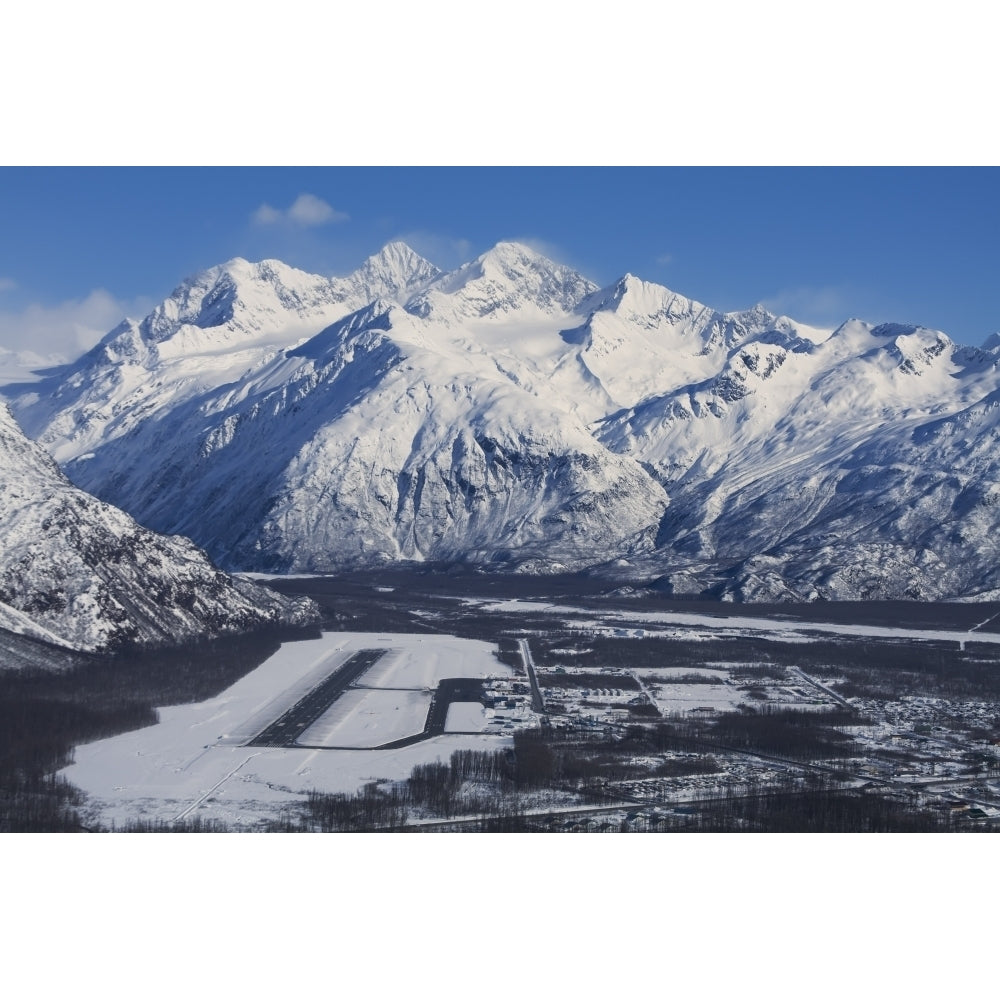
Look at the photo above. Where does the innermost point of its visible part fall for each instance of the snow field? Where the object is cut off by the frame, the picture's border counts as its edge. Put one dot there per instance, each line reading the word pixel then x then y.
pixel 364 719
pixel 466 717
pixel 425 660
pixel 685 697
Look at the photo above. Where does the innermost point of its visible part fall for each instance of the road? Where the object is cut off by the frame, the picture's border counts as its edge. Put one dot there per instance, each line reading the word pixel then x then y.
pixel 537 703
pixel 449 690
pixel 802 675
pixel 194 805
pixel 285 730
pixel 589 810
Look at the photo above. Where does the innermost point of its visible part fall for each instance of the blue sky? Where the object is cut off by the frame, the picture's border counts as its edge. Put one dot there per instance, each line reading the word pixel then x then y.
pixel 81 245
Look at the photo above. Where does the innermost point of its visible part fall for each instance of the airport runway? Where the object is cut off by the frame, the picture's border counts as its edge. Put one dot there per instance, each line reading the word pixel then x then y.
pixel 285 730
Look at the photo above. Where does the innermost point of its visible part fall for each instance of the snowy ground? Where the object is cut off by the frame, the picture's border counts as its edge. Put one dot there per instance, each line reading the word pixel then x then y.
pixel 366 719
pixel 192 762
pixel 425 660
pixel 671 698
pixel 731 624
pixel 466 717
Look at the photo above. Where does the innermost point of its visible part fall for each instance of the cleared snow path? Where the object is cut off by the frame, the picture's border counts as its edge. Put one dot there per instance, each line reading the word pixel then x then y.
pixel 976 628
pixel 215 787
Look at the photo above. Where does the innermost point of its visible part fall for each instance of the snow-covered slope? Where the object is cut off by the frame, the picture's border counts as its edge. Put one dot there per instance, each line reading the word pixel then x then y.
pixel 76 572
pixel 806 469
pixel 640 339
pixel 512 414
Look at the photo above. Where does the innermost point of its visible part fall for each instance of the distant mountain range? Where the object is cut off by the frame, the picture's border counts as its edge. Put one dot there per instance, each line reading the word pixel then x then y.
pixel 512 415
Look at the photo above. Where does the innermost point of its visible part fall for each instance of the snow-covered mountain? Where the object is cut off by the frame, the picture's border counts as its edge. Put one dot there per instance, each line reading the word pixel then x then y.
pixel 512 414
pixel 510 282
pixel 806 469
pixel 214 329
pixel 77 573
pixel 389 435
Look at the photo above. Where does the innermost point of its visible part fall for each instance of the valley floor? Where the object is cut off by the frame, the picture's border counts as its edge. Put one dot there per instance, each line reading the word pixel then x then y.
pixel 576 713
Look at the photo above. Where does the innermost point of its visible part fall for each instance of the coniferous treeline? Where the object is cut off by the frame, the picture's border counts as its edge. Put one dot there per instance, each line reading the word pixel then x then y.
pixel 509 653
pixel 784 732
pixel 819 806
pixel 545 760
pixel 436 789
pixel 596 681
pixel 887 672
pixel 499 791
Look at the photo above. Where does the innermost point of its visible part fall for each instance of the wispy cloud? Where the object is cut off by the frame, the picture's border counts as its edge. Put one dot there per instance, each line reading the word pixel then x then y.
pixel 306 211
pixel 665 258
pixel 823 306
pixel 446 252
pixel 63 332
pixel 559 254
pixel 7 284
pixel 544 247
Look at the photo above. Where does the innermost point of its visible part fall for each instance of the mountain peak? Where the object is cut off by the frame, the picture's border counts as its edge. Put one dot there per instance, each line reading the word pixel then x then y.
pixel 397 249
pixel 396 272
pixel 378 315
pixel 511 249
pixel 643 302
pixel 508 277
pixel 247 296
pixel 758 315
pixel 513 259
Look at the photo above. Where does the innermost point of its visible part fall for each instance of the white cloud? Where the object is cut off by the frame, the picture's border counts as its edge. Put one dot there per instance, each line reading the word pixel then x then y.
pixel 267 216
pixel 307 210
pixel 665 258
pixel 63 332
pixel 7 284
